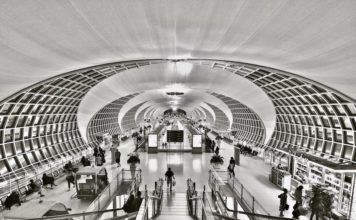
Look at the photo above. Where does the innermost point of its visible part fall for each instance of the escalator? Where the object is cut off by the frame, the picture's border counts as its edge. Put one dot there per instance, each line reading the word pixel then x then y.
pixel 174 207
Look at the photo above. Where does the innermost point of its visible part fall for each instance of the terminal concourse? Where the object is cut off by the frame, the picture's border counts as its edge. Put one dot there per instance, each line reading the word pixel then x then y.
pixel 175 110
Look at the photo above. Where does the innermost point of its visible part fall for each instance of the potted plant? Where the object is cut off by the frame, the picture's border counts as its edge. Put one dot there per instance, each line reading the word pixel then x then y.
pixel 133 158
pixel 135 134
pixel 132 161
pixel 217 161
pixel 321 201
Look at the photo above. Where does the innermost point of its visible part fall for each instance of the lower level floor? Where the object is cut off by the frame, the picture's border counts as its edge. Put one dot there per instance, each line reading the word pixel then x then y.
pixel 252 172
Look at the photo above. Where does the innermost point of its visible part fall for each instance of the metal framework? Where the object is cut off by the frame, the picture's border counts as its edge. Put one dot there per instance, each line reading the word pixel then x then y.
pixel 209 116
pixel 311 117
pixel 39 123
pixel 128 122
pixel 246 125
pixel 106 119
pixel 222 123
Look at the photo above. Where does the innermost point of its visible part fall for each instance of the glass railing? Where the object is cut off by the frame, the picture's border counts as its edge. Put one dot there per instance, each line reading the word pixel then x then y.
pixel 91 215
pixel 198 206
pixel 96 208
pixel 106 196
pixel 20 179
pixel 152 203
pixel 247 200
pixel 244 206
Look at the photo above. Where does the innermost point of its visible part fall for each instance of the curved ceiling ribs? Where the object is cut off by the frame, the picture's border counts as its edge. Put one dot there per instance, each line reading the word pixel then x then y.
pixel 209 116
pixel 310 117
pixel 246 124
pixel 106 119
pixel 128 122
pixel 222 122
pixel 141 116
pixel 38 123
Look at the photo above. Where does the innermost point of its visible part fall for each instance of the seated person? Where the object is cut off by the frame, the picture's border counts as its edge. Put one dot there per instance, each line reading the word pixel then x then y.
pixel 138 201
pixel 13 198
pixel 85 161
pixel 104 177
pixel 254 153
pixel 133 203
pixel 48 180
pixel 129 206
pixel 34 187
pixel 101 184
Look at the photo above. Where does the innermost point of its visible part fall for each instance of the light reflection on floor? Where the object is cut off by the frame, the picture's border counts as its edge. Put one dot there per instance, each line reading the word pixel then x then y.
pixel 184 165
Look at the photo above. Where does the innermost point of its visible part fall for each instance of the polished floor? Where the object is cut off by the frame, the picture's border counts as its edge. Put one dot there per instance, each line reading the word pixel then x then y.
pixel 252 172
pixel 60 192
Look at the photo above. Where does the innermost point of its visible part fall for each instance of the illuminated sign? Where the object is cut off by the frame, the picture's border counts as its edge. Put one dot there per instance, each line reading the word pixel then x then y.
pixel 152 140
pixel 197 140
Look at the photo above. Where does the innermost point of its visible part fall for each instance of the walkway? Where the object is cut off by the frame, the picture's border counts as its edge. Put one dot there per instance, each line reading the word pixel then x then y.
pixel 174 207
pixel 60 192
pixel 253 173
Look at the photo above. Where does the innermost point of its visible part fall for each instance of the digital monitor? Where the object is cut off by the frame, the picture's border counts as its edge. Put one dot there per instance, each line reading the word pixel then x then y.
pixel 197 141
pixel 152 140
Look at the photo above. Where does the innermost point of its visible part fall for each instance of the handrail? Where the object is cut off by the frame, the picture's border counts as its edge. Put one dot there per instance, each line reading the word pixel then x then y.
pixel 20 178
pixel 77 214
pixel 248 201
pixel 126 216
pixel 250 213
pixel 222 216
pixel 155 200
pixel 135 181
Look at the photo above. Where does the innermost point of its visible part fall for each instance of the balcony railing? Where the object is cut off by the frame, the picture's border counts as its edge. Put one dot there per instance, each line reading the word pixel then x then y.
pixel 151 207
pixel 106 196
pixel 251 208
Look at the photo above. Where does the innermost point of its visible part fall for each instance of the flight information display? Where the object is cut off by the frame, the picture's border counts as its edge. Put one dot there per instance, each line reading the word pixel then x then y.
pixel 175 135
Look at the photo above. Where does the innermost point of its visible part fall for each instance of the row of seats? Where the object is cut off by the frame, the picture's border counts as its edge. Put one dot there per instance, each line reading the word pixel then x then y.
pixel 248 151
pixel 23 190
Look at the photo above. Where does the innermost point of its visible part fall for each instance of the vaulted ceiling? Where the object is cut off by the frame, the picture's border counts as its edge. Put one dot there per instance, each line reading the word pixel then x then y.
pixel 42 38
pixel 63 61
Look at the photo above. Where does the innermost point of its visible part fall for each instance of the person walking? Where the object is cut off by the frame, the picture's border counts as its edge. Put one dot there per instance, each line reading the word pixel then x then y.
pixel 102 154
pixel 217 150
pixel 315 205
pixel 70 178
pixel 298 194
pixel 117 157
pixel 169 178
pixel 96 151
pixel 283 202
pixel 231 167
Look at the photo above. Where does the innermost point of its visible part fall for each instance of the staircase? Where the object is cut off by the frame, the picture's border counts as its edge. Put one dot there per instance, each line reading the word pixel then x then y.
pixel 174 207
